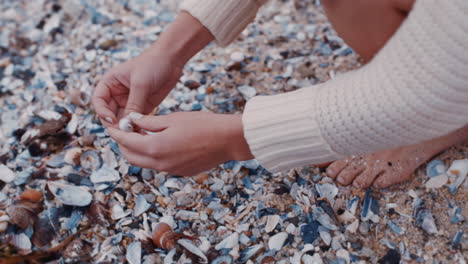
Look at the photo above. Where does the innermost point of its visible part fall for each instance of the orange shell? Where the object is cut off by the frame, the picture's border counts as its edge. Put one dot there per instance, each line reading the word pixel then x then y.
pixel 31 195
pixel 163 236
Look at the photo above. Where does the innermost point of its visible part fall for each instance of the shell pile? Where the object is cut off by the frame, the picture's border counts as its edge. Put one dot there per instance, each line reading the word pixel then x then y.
pixel 68 196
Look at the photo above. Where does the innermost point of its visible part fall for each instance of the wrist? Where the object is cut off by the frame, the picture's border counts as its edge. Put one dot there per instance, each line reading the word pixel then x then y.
pixel 184 38
pixel 236 145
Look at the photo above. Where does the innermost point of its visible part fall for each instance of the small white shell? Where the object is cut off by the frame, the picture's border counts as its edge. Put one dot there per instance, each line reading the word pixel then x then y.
pixel 276 242
pixel 125 124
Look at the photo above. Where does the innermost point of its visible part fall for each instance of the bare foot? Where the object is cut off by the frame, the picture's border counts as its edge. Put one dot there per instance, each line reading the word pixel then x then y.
pixel 389 167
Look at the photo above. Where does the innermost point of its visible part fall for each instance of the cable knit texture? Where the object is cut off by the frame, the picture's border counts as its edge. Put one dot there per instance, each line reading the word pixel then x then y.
pixel 415 89
pixel 225 19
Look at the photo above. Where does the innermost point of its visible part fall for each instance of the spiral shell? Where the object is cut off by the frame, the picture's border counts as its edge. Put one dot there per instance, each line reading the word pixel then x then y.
pixel 163 236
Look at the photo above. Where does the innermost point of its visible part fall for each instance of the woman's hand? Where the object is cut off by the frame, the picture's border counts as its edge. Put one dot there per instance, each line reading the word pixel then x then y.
pixel 184 143
pixel 140 84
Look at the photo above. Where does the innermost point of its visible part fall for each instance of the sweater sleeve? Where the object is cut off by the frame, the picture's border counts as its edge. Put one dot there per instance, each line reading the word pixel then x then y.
pixel 415 89
pixel 225 19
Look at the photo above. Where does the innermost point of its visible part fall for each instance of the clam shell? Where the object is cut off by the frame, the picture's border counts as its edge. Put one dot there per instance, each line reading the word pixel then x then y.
pixel 69 194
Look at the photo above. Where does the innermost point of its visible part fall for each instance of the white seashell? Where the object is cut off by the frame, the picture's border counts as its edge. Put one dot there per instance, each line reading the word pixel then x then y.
pixel 205 245
pixel 21 241
pixel 117 212
pixel 272 222
pixel 437 181
pixel 353 226
pixel 125 124
pixel 168 219
pixel 72 155
pixel 291 229
pixel 169 259
pixel 69 194
pixel 187 215
pixel 247 91
pixel 237 56
pixel 187 244
pixel 458 168
pixel 105 174
pixel 325 235
pixel 343 254
pixel 3 226
pixel 276 242
pixel 346 217
pixel 328 191
pixel 134 253
pixel 141 205
pixel 72 125
pixel 230 241
pixel 6 175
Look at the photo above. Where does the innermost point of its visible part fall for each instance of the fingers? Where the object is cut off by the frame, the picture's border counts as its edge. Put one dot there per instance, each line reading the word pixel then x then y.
pixel 152 123
pixel 133 141
pixel 137 159
pixel 101 102
pixel 137 99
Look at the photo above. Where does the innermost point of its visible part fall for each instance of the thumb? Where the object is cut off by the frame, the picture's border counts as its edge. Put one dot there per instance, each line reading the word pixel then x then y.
pixel 151 123
pixel 136 99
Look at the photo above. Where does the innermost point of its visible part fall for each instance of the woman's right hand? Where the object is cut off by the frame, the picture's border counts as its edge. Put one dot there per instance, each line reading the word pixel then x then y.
pixel 138 85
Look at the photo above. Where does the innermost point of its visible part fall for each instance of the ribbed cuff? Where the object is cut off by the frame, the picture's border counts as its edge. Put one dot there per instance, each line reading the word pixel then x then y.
pixel 282 131
pixel 225 19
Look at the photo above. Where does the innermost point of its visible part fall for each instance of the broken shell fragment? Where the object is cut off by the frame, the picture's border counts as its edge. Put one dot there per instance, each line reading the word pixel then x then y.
pixel 192 250
pixel 277 241
pixel 134 253
pixel 6 174
pixel 69 194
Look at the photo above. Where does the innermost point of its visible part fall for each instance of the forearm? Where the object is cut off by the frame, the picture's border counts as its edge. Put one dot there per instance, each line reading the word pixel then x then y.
pixel 415 89
pixel 184 38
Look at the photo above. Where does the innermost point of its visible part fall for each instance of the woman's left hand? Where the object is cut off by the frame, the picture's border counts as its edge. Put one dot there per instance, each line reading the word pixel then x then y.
pixel 184 143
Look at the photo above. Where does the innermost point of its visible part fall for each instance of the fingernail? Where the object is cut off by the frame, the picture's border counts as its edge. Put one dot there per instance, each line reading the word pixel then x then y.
pixel 135 116
pixel 108 119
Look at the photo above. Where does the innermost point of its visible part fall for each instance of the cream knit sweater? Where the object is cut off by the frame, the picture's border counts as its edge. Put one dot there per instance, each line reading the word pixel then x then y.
pixel 415 89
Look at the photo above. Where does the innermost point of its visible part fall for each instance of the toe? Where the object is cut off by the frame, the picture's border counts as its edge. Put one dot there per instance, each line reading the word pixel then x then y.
pixel 389 178
pixel 335 168
pixel 366 178
pixel 349 173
